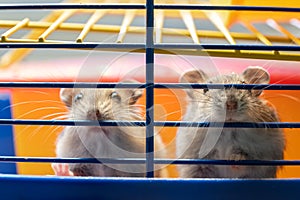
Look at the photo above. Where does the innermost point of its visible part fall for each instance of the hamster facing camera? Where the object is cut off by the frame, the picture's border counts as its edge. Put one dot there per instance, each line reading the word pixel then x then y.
pixel 104 141
pixel 229 105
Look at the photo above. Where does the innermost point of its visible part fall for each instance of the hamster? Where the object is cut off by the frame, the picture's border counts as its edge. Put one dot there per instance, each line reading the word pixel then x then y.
pixel 229 105
pixel 104 141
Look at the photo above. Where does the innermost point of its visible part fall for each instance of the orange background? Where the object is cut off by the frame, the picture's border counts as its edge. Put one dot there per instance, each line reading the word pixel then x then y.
pixel 38 141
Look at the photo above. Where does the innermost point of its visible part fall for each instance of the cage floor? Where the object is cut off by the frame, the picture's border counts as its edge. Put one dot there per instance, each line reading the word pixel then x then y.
pixel 15 187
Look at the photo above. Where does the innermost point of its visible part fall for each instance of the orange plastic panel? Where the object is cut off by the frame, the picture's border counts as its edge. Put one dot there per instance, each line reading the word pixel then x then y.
pixel 37 141
pixel 169 105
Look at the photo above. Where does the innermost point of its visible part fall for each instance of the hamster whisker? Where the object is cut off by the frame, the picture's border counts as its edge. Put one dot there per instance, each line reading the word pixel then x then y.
pixel 126 111
pixel 175 63
pixel 36 130
pixel 199 101
pixel 169 103
pixel 259 117
pixel 169 114
pixel 37 110
pixel 133 116
pixel 79 114
pixel 29 102
pixel 134 108
pixel 199 91
pixel 57 130
pixel 37 92
pixel 137 106
pixel 285 78
pixel 284 95
pixel 56 118
pixel 205 119
pixel 125 115
pixel 59 114
pixel 62 117
pixel 50 131
pixel 33 133
pixel 267 63
pixel 164 95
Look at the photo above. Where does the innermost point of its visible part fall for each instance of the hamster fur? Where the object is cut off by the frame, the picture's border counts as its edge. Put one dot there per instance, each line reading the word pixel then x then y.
pixel 229 105
pixel 106 141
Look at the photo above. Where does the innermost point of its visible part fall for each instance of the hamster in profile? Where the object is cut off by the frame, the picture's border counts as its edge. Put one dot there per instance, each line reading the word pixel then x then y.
pixel 229 105
pixel 103 141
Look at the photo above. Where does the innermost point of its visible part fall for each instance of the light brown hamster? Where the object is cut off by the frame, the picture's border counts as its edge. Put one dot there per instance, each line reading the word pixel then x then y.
pixel 229 105
pixel 104 141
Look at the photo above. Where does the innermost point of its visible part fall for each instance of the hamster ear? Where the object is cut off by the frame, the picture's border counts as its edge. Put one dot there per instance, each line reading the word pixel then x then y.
pixel 66 96
pixel 256 75
pixel 134 93
pixel 193 76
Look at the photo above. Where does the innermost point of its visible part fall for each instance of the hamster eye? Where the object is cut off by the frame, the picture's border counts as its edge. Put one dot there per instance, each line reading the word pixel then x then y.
pixel 115 95
pixel 78 97
pixel 249 90
pixel 205 90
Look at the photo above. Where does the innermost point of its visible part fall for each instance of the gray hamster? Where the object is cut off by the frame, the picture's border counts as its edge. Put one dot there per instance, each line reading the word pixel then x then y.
pixel 229 105
pixel 104 141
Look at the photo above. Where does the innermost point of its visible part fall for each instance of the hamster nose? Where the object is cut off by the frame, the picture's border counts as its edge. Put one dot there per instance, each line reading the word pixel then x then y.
pixel 231 105
pixel 94 115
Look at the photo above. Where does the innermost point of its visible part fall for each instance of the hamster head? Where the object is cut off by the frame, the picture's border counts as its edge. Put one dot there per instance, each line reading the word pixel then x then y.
pixel 102 104
pixel 230 104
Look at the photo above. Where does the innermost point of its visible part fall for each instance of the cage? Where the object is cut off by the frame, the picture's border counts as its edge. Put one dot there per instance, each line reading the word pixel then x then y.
pixel 47 46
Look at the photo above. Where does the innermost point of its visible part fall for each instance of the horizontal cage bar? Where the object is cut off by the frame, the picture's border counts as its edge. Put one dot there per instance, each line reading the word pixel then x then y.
pixel 143 6
pixel 229 124
pixel 229 7
pixel 155 46
pixel 222 86
pixel 70 6
pixel 70 122
pixel 73 45
pixel 69 85
pixel 155 123
pixel 141 85
pixel 228 47
pixel 143 161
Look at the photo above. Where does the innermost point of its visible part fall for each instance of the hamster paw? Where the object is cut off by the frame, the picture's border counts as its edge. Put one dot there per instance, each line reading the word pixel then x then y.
pixel 61 169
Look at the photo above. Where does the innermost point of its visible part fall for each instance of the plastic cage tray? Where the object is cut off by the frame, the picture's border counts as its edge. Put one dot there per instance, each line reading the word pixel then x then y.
pixel 232 29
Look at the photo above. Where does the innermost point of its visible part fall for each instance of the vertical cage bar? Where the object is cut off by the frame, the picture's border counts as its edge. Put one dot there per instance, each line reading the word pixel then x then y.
pixel 149 88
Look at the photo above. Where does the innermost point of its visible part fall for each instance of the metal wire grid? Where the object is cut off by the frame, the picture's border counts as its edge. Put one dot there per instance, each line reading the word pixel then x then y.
pixel 149 85
pixel 57 21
